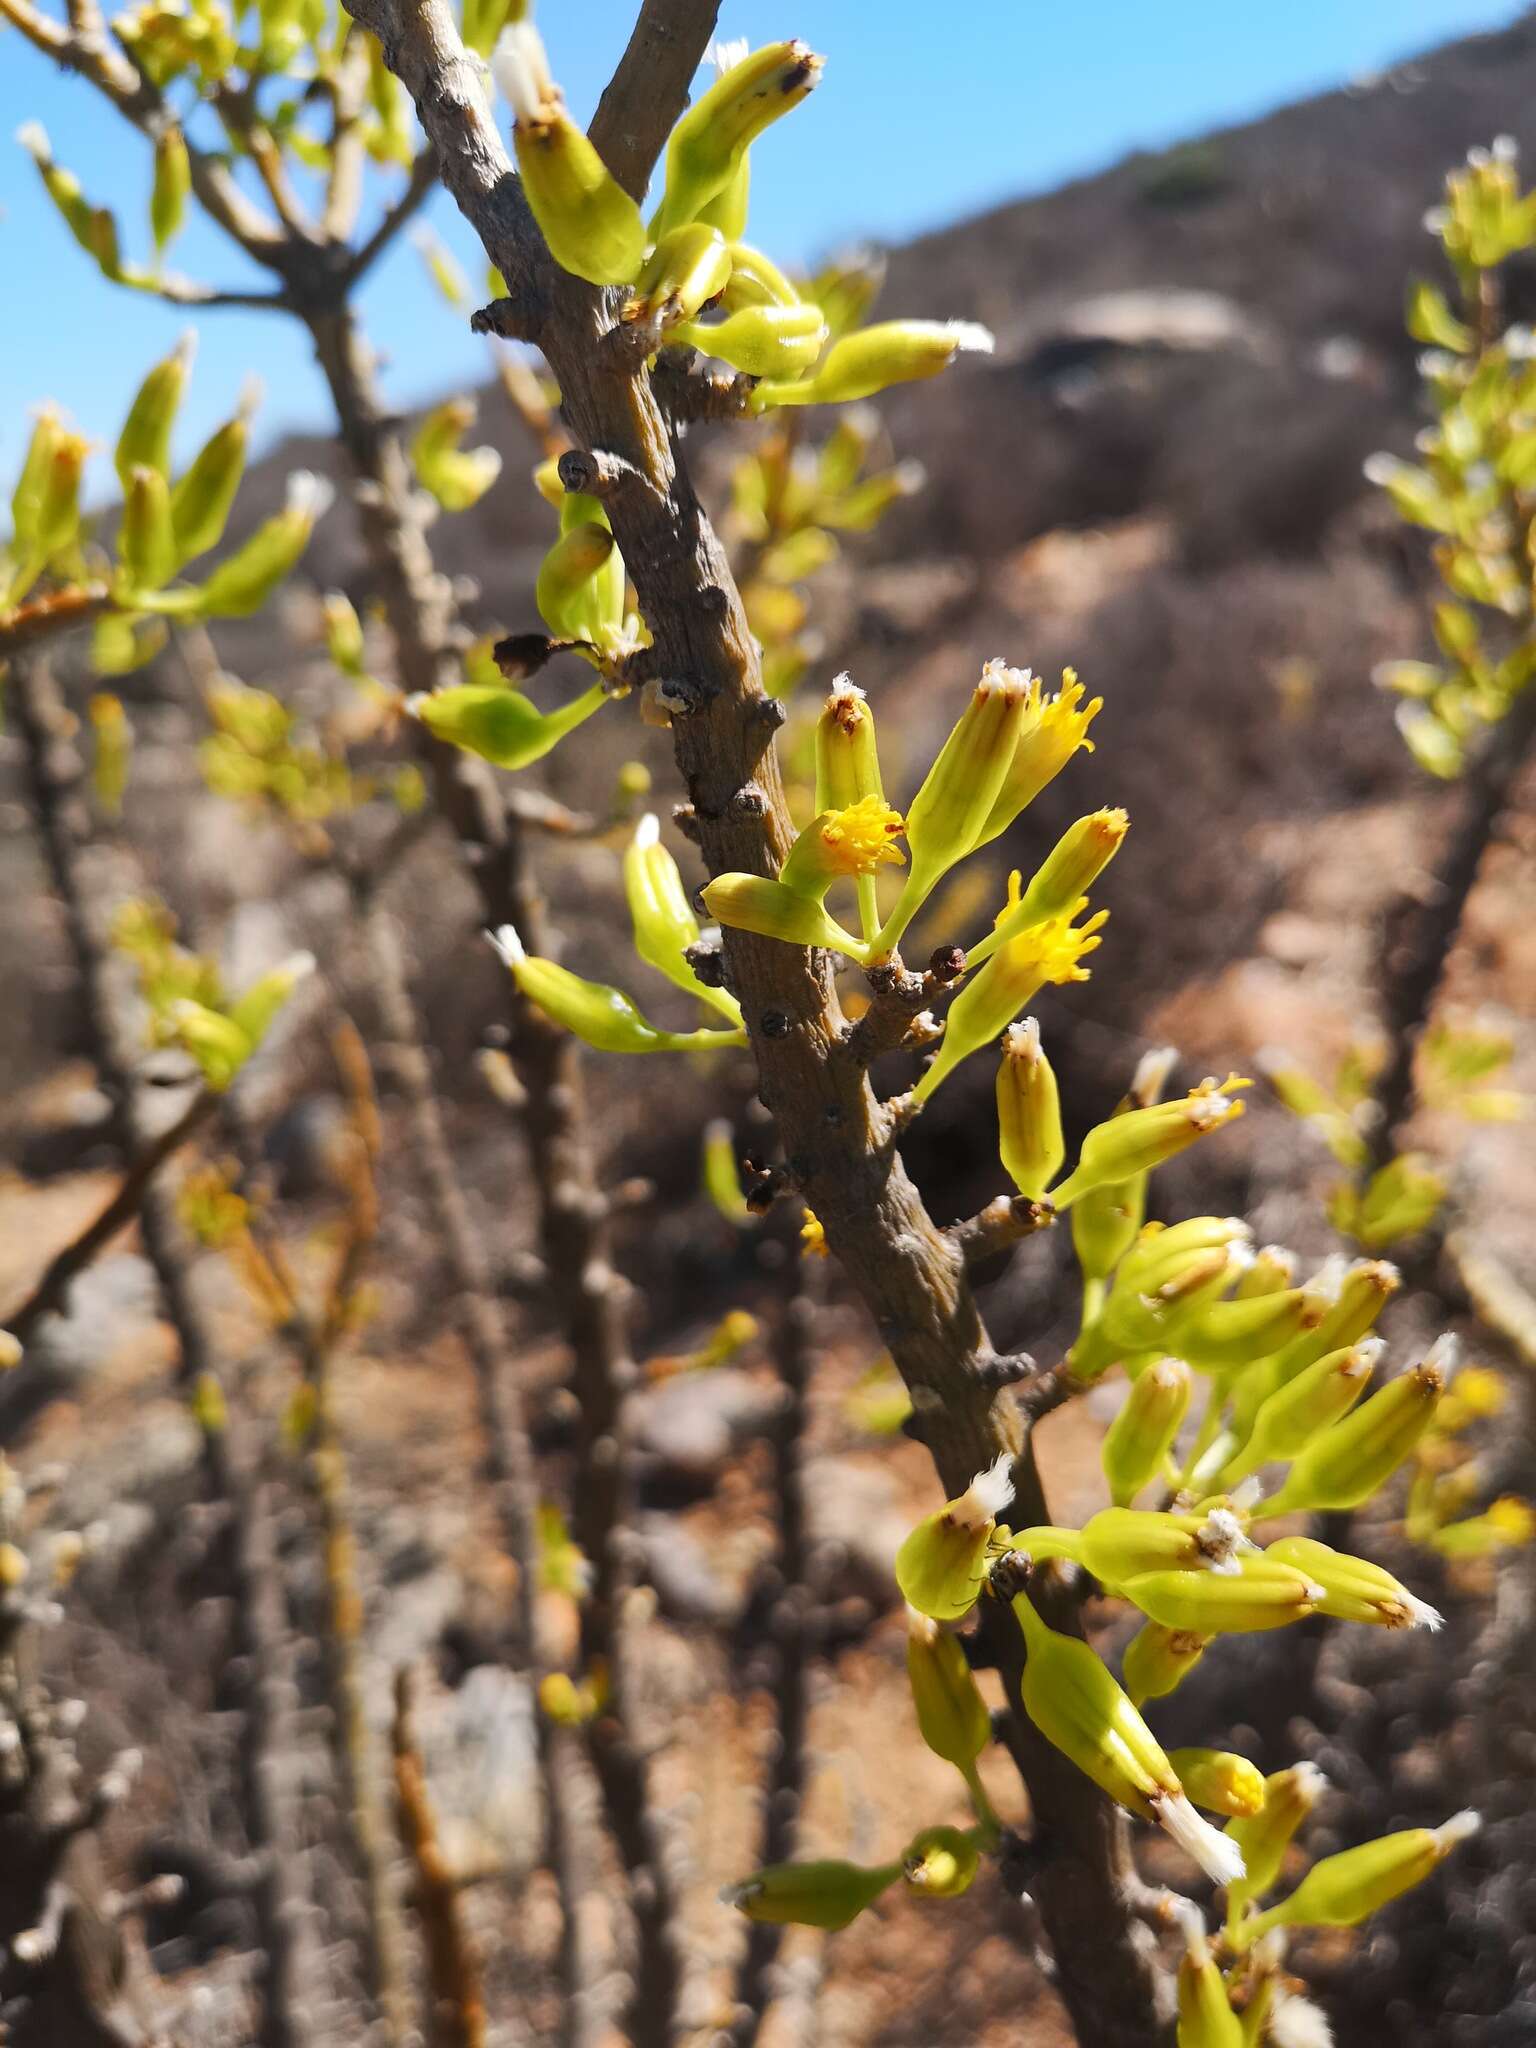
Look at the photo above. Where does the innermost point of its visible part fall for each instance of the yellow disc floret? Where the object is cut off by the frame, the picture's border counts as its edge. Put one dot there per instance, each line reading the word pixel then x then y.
pixel 861 839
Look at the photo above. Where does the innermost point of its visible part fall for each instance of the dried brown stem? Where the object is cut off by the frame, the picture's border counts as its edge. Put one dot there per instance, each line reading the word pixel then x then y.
pixel 38 619
pixel 260 1646
pixel 835 1134
pixel 792 1632
pixel 317 1336
pixel 457 2017
pixel 508 1456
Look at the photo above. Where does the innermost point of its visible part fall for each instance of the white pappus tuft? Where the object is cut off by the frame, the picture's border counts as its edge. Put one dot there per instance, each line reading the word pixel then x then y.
pixel 992 1491
pixel 1217 1854
pixel 521 71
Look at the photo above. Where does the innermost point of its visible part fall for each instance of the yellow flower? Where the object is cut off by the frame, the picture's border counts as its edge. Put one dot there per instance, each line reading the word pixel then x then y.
pixel 1054 729
pixel 1051 951
pixel 813 1238
pixel 858 840
pixel 1478 1393
pixel 1513 1519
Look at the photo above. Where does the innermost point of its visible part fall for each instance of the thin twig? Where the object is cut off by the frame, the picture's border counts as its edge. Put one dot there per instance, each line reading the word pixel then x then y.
pixel 419 184
pixel 791 1641
pixel 48 1296
pixel 457 2017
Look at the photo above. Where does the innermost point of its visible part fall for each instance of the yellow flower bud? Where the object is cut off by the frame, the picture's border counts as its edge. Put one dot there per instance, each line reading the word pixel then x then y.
pixel 1030 1143
pixel 10 1351
pixel 1141 1435
pixel 1075 1703
pixel 1264 1837
pixel 1168 1272
pixel 848 772
pixel 664 925
pixel 1079 857
pixel 1157 1660
pixel 871 359
pixel 600 1016
pixel 26 500
pixel 756 280
pixel 764 341
pixel 243 582
pixel 146 540
pixel 145 441
pixel 15 1567
pixel 826 1894
pixel 580 585
pixel 1220 1781
pixel 456 477
pixel 253 1012
pixel 173 181
pixel 1206 2018
pixel 941 1862
pixel 1120 1544
pixel 1162 1253
pixel 1354 1588
pixel 1349 1299
pixel 1508 1524
pixel 1398 1201
pixel 571 1703
pixel 941 1566
pixel 343 632
pixel 114 748
pixel 753 903
pixel 952 1716
pixel 1317 1397
pixel 62 186
pixel 217 1044
pixel 209 1408
pixel 1272 1271
pixel 501 724
pixel 1211 1603
pixel 1011 978
pixel 590 222
pixel 1144 1138
pixel 1225 1335
pixel 58 506
pixel 1104 1225
pixel 847 762
pixel 945 816
pixel 721 1176
pixel 1347 1463
pixel 686 269
pixel 201 499
pixel 707 150
pixel 1340 1891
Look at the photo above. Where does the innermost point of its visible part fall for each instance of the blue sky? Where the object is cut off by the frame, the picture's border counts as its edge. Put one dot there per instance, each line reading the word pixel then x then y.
pixel 913 125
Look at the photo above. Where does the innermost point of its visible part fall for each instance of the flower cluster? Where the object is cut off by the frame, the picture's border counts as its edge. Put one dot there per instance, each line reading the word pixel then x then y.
pixel 694 281
pixel 1477 464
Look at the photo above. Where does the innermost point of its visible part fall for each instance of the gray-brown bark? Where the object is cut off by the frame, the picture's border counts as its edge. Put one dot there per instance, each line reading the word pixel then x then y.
pixel 838 1140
